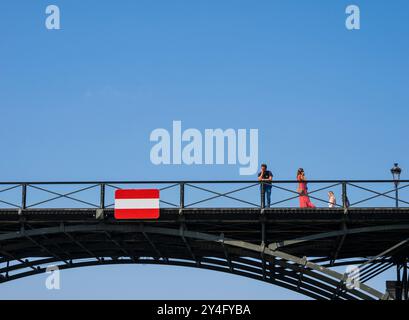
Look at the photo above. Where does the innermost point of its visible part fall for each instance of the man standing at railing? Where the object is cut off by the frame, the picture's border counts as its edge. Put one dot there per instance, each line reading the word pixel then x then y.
pixel 265 177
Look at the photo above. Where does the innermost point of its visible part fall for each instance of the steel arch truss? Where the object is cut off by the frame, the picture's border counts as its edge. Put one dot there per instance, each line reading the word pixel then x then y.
pixel 73 246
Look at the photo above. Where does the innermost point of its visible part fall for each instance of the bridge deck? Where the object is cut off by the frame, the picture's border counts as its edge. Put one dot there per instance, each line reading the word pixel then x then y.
pixel 361 232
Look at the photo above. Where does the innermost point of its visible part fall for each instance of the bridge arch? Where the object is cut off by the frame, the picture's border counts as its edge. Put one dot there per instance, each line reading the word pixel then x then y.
pixel 189 248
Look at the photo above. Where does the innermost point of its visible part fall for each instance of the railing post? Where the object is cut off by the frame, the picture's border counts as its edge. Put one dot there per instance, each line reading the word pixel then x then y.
pixel 344 195
pixel 405 279
pixel 262 195
pixel 102 196
pixel 182 195
pixel 23 196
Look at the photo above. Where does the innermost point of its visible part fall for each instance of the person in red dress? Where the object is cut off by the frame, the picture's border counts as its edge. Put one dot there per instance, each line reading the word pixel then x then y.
pixel 305 201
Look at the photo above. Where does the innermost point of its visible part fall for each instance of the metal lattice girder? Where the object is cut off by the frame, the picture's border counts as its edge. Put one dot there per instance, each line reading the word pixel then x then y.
pixel 341 232
pixel 121 248
pixel 153 246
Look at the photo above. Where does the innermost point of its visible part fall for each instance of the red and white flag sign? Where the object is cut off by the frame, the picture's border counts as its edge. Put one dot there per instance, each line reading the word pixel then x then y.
pixel 137 204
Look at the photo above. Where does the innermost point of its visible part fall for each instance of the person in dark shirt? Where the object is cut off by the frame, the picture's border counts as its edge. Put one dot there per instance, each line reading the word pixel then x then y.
pixel 265 177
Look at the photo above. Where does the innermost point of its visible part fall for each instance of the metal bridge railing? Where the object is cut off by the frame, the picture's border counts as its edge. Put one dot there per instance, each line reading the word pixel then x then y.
pixel 202 194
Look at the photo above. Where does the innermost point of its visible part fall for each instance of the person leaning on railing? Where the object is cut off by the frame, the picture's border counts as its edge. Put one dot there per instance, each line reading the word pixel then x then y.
pixel 265 177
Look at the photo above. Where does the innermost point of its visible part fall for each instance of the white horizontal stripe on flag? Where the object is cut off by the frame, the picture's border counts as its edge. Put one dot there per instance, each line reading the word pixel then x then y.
pixel 136 203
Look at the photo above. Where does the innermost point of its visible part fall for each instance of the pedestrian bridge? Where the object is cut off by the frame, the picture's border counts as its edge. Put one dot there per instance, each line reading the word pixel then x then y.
pixel 216 225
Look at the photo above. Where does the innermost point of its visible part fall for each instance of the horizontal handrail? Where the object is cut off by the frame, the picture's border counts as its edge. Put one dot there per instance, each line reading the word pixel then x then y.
pixel 202 185
pixel 191 181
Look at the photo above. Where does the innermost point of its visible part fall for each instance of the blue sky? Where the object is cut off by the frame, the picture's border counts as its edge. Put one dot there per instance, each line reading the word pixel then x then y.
pixel 79 104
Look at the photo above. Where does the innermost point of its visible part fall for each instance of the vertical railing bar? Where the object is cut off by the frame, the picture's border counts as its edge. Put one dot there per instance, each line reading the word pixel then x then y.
pixel 102 196
pixel 344 195
pixel 182 195
pixel 23 196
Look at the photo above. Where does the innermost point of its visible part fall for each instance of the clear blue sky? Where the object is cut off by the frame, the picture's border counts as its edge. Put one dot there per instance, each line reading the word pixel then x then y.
pixel 79 104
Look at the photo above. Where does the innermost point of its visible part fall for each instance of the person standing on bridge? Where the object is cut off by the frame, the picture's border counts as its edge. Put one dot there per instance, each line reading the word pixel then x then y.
pixel 265 177
pixel 305 201
pixel 332 201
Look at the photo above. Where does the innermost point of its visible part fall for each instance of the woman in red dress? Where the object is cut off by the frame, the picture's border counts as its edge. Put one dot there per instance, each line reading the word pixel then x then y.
pixel 303 190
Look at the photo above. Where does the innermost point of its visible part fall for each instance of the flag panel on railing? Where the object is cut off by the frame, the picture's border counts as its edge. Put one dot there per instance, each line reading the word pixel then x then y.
pixel 137 204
